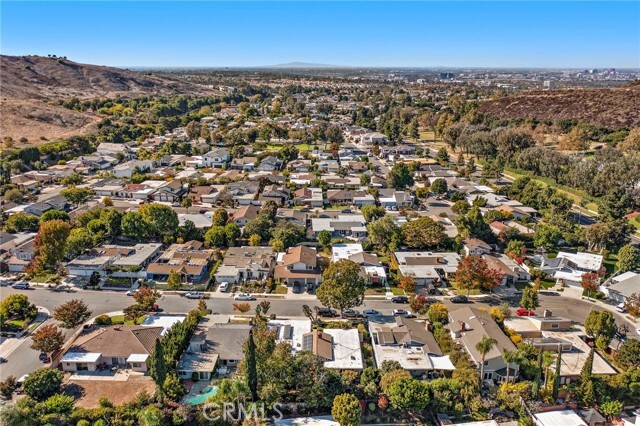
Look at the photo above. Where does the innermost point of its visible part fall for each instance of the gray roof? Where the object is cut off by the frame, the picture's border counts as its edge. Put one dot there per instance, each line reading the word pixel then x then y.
pixel 227 340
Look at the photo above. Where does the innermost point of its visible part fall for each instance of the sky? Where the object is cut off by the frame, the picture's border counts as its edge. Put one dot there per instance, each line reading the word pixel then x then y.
pixel 544 34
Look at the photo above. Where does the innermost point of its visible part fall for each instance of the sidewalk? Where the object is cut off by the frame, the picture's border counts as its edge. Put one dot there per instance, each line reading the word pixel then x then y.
pixel 10 344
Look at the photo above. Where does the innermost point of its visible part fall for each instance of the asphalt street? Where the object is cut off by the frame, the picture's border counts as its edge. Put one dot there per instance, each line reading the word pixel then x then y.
pixel 23 359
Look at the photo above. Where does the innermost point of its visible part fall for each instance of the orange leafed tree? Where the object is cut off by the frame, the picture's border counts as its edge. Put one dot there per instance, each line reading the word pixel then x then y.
pixel 474 273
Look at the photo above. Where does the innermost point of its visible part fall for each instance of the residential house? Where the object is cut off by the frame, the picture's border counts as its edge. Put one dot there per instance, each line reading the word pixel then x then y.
pixel 269 164
pixel 57 202
pixel 329 166
pixel 199 360
pixel 621 287
pixel 216 194
pixel 347 196
pixel 244 214
pixel 126 170
pixel 292 215
pixel 340 349
pixel 475 247
pixel 246 264
pixel 372 138
pixel 246 164
pixel 410 343
pixel 558 418
pixel 512 271
pixel 391 199
pixel 569 267
pixel 279 194
pixel 243 192
pixel 113 149
pixel 351 226
pixel 299 267
pixel 427 267
pixel 112 346
pixel 227 341
pixel 371 268
pixel 310 196
pixel 188 259
pixel 468 326
pixel 170 192
pixel 299 166
pixel 216 158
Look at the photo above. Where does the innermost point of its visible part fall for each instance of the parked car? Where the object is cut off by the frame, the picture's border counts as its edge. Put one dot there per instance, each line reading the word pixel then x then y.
pixel 459 299
pixel 44 357
pixel 403 313
pixel 351 313
pixel 194 295
pixel 621 308
pixel 224 286
pixel 400 299
pixel 132 292
pixel 243 296
pixel 21 285
pixel 326 312
pixel 370 312
pixel 2 360
pixel 522 312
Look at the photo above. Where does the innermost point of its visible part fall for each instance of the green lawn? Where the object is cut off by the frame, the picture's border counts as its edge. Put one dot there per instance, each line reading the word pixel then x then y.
pixel 610 264
pixel 44 277
pixel 464 292
pixel 280 289
pixel 396 291
pixel 119 319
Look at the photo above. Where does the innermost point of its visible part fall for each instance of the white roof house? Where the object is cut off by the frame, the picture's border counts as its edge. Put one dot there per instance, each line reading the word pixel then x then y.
pixel 344 251
pixel 346 350
pixel 558 418
pixel 81 357
pixel 585 261
pixel 290 331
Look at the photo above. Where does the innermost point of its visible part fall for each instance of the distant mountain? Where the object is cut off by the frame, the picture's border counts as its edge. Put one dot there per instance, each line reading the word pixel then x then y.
pixel 303 65
pixel 30 87
pixel 611 107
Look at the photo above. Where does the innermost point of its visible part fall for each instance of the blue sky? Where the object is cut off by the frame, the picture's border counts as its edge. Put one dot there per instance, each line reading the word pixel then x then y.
pixel 457 34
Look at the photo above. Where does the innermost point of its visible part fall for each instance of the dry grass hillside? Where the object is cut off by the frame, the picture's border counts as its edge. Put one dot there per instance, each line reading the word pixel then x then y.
pixel 604 107
pixel 30 85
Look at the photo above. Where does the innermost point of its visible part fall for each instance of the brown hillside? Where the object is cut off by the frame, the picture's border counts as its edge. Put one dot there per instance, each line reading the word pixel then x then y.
pixel 29 85
pixel 604 107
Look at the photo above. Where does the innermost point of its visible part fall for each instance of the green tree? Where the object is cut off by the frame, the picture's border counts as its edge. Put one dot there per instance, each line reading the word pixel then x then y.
pixel 372 212
pixel 399 177
pixel 384 232
pixel 59 404
pixel 408 394
pixel 324 237
pixel 173 388
pixel 484 346
pixel 342 286
pixel 72 313
pixel 255 240
pixel 529 299
pixel 216 236
pixel 601 325
pixel 556 376
pixel 628 258
pixel 17 305
pixel 535 390
pixel 423 233
pixel 43 383
pixel 232 233
pixel 7 387
pixel 77 195
pixel 220 217
pixel 79 240
pixel 174 282
pixel 135 226
pixel 611 408
pixel 439 186
pixel 50 242
pixel 251 366
pixel 628 354
pixel 546 236
pixel 158 366
pixel 438 313
pixel 461 207
pixel 473 225
pixel 54 214
pixel 346 410
pixel 186 203
pixel 151 416
pixel 163 220
pixel 48 339
pixel 22 222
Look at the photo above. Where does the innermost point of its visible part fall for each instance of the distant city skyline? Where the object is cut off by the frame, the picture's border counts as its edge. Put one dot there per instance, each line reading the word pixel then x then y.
pixel 529 35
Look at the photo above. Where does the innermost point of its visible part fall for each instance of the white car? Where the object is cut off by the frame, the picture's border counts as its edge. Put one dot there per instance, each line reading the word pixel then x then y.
pixel 243 296
pixel 621 308
pixel 194 295
pixel 21 286
pixel 224 286
pixel 132 292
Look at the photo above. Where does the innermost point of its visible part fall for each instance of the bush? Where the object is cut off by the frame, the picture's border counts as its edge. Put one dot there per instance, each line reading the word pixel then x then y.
pixel 43 383
pixel 103 320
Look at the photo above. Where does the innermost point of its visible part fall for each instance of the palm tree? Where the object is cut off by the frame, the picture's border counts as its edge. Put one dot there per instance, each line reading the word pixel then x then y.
pixel 511 357
pixel 484 346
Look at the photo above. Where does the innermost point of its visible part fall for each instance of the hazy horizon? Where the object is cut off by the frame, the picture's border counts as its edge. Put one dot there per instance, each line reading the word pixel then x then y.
pixel 454 35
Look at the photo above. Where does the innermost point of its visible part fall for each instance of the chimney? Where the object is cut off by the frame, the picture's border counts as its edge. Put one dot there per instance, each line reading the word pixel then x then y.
pixel 547 313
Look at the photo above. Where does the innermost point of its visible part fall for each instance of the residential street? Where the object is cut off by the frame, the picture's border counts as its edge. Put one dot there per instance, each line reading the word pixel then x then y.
pixel 22 359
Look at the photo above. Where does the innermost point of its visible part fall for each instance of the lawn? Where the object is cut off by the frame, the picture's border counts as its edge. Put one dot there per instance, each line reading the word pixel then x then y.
pixel 428 136
pixel 280 289
pixel 610 264
pixel 43 277
pixel 464 292
pixel 373 291
pixel 396 290
pixel 119 319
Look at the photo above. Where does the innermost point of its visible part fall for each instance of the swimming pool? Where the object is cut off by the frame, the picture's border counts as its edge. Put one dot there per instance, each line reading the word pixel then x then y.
pixel 202 398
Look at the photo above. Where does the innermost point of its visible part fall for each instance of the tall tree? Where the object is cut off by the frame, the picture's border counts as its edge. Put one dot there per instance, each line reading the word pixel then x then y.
pixel 77 195
pixel 399 177
pixel 48 339
pixel 50 242
pixel 342 286
pixel 423 233
pixel 484 346
pixel 158 366
pixel 535 390
pixel 556 376
pixel 174 282
pixel 72 313
pixel 601 325
pixel 628 258
pixel 474 273
pixel 251 366
pixel 529 299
